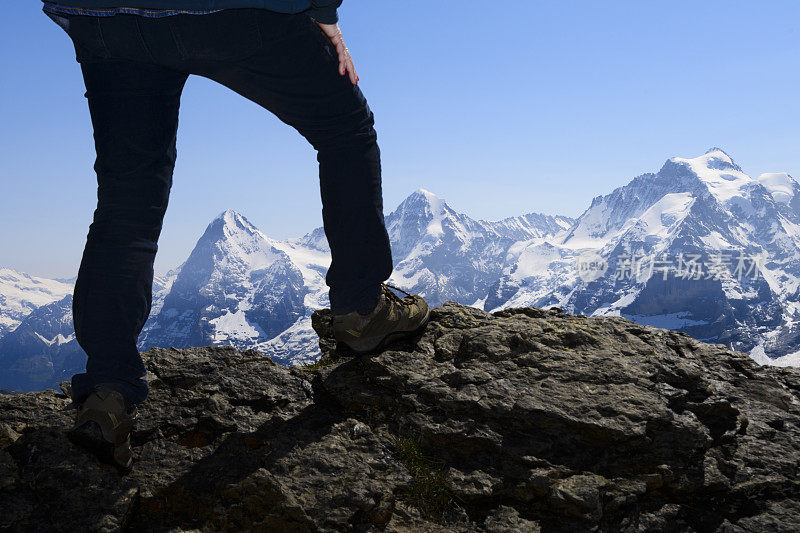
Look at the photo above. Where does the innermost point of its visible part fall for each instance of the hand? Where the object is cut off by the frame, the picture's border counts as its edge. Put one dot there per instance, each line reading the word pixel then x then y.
pixel 333 33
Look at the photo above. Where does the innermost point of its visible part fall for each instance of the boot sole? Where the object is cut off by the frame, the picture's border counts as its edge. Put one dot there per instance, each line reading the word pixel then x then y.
pixel 89 436
pixel 365 346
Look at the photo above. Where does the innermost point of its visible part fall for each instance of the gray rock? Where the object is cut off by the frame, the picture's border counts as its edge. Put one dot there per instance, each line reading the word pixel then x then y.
pixel 506 519
pixel 522 420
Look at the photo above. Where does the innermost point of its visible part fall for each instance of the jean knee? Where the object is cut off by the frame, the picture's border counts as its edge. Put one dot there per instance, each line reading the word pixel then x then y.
pixel 356 131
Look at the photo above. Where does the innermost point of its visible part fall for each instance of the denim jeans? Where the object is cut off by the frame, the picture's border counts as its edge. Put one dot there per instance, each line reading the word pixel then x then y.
pixel 134 69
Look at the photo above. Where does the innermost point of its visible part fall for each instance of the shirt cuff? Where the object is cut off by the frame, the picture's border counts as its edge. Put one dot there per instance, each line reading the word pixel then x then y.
pixel 325 15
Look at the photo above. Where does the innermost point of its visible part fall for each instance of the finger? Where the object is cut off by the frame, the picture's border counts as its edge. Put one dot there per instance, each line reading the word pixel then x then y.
pixel 351 68
pixel 343 54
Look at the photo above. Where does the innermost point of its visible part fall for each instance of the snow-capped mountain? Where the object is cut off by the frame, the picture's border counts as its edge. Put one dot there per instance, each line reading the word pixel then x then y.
pixel 21 293
pixel 241 287
pixel 41 351
pixel 446 255
pixel 699 247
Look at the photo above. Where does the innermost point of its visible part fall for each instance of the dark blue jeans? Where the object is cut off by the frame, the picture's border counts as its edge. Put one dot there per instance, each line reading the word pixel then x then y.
pixel 134 69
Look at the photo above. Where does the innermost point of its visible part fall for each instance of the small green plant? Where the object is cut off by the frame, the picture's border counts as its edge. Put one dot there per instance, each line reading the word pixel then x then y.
pixel 430 491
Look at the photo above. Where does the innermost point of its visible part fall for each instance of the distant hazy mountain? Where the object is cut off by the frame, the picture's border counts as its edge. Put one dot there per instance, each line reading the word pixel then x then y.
pixel 41 351
pixel 21 293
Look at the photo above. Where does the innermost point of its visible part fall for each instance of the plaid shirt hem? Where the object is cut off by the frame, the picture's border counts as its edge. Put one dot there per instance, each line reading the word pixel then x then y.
pixel 107 12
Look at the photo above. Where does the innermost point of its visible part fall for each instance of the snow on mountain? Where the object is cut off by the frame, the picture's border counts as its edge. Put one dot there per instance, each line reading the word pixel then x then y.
pixel 722 177
pixel 783 188
pixel 529 226
pixel 41 351
pixel 635 252
pixel 699 247
pixel 790 359
pixel 21 293
pixel 299 343
pixel 241 287
pixel 780 185
pixel 446 255
pixel 161 286
pixel 237 287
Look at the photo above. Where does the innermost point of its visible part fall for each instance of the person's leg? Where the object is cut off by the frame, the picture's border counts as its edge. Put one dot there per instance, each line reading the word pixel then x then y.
pixel 134 112
pixel 294 74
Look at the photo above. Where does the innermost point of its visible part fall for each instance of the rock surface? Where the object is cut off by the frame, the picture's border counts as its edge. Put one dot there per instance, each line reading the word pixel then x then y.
pixel 521 420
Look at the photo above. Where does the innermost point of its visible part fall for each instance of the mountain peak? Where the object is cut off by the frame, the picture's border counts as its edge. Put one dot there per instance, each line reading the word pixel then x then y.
pixel 713 159
pixel 421 213
pixel 718 159
pixel 424 193
pixel 424 202
pixel 231 229
pixel 717 170
pixel 229 216
pixel 712 154
pixel 230 222
pixel 717 149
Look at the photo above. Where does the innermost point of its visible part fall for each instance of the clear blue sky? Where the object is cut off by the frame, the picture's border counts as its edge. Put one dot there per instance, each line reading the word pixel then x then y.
pixel 533 106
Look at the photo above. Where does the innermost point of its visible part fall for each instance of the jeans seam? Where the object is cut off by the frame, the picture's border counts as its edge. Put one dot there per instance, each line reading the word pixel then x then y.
pixel 259 35
pixel 255 21
pixel 101 38
pixel 181 50
pixel 142 41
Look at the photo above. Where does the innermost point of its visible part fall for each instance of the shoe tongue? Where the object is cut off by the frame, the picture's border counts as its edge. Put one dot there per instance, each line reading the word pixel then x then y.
pixel 104 393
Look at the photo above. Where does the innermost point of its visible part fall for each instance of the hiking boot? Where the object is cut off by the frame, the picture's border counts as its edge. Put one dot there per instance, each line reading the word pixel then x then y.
pixel 393 318
pixel 103 426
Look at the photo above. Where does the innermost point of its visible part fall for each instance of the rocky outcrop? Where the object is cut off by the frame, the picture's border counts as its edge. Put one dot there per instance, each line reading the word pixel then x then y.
pixel 521 420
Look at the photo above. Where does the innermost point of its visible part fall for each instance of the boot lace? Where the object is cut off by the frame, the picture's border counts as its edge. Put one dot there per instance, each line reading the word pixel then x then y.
pixel 392 295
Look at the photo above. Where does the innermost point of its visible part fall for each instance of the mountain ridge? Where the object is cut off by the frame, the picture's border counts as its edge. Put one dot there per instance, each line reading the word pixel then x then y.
pixel 702 207
pixel 243 288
